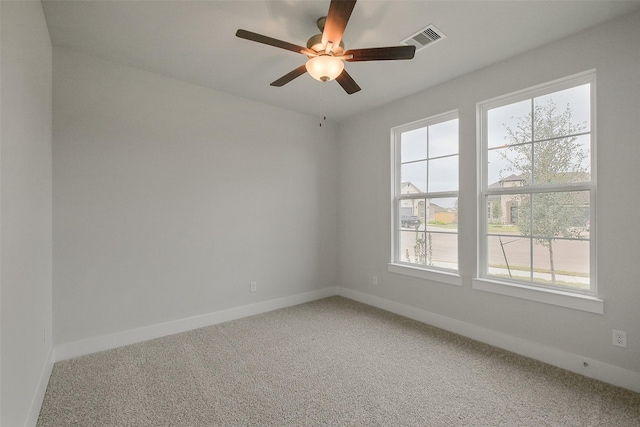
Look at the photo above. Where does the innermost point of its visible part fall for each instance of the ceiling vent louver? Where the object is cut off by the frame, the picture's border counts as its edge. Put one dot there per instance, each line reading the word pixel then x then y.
pixel 425 37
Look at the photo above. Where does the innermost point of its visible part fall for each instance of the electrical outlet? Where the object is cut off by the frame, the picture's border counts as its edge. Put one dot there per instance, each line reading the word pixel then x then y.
pixel 619 338
pixel 375 280
pixel 254 286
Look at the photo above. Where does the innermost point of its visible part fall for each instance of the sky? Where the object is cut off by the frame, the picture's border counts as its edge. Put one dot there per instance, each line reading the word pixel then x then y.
pixel 429 155
pixel 437 145
pixel 502 118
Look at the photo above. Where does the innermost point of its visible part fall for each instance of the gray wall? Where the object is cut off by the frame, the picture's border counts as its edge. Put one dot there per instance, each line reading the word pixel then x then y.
pixel 25 209
pixel 365 173
pixel 171 198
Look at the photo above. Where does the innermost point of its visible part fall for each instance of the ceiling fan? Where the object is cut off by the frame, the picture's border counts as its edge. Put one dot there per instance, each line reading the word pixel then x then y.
pixel 326 51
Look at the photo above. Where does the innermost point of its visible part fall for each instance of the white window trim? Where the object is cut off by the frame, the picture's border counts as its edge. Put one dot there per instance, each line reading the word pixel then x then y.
pixel 581 302
pixel 450 277
pixel 574 300
pixel 446 277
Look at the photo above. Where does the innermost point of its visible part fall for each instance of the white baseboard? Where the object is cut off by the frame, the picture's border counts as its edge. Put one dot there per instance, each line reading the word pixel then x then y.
pixel 38 398
pixel 119 339
pixel 572 362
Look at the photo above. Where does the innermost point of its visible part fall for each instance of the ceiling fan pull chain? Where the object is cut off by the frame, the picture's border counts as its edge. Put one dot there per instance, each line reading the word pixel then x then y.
pixel 323 106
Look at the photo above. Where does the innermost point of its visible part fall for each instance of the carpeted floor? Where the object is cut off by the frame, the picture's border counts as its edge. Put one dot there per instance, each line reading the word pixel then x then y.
pixel 329 362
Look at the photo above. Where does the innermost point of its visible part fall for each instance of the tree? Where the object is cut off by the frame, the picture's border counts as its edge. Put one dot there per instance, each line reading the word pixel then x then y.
pixel 556 157
pixel 496 212
pixel 423 250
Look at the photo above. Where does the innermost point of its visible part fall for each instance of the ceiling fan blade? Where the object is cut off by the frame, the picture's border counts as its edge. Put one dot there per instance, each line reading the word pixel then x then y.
pixel 290 76
pixel 337 18
pixel 348 84
pixel 255 37
pixel 381 53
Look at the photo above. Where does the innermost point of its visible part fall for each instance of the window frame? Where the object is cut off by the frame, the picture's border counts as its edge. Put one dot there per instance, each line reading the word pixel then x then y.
pixel 396 265
pixel 586 300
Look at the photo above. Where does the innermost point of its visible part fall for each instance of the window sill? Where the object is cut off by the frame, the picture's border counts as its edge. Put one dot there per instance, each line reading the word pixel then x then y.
pixel 422 273
pixel 547 296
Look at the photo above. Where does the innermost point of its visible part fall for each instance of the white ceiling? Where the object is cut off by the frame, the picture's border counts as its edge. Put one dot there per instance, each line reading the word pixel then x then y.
pixel 195 41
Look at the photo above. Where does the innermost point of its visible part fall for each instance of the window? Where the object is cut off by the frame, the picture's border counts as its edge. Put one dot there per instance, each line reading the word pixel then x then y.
pixel 425 194
pixel 538 188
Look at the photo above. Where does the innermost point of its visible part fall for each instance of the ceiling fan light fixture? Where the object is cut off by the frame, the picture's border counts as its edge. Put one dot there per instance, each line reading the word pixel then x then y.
pixel 324 67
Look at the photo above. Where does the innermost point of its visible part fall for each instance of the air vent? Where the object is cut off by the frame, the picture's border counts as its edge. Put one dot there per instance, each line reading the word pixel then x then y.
pixel 425 37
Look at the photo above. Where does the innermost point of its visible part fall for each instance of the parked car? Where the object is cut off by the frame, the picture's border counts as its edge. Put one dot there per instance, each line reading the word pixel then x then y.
pixel 410 221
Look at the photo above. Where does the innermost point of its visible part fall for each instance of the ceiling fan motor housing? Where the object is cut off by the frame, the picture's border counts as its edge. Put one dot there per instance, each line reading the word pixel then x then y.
pixel 315 43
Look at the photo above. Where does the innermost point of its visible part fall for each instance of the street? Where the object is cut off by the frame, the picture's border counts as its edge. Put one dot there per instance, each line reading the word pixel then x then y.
pixel 571 257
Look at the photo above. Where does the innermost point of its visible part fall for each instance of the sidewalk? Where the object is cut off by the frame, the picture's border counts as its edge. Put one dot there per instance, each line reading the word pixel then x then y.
pixel 580 282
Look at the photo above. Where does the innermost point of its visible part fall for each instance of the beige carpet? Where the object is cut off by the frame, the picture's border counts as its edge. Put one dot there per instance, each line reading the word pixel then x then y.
pixel 330 362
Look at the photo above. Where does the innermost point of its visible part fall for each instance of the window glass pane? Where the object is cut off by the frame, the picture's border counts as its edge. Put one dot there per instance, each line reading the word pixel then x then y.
pixel 442 214
pixel 495 210
pixel 443 138
pixel 412 214
pixel 518 159
pixel 583 144
pixel 509 256
pixel 566 112
pixel 561 263
pixel 516 212
pixel 441 250
pixel 501 169
pixel 413 247
pixel 443 174
pixel 413 178
pixel 413 145
pixel 509 124
pixel 557 214
pixel 562 160
pixel 502 214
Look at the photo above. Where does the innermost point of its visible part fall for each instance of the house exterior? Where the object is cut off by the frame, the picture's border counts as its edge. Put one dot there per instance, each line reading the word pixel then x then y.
pixel 412 207
pixel 424 208
pixel 503 209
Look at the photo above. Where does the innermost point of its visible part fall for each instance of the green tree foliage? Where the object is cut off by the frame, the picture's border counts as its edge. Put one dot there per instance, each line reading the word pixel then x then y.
pixel 496 213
